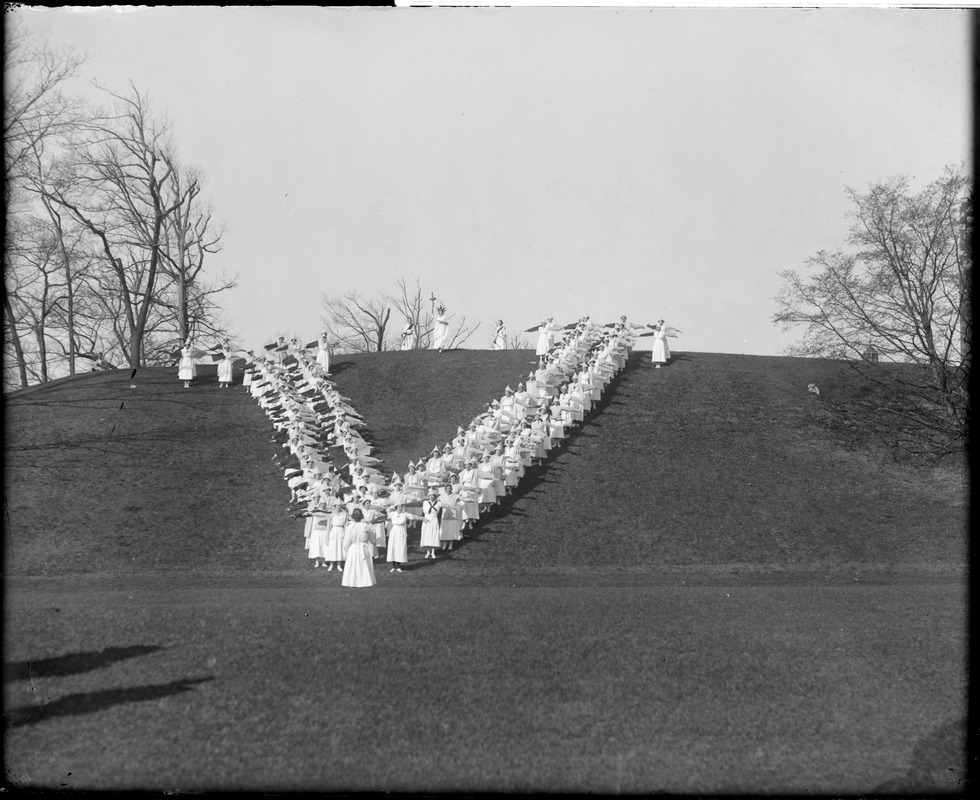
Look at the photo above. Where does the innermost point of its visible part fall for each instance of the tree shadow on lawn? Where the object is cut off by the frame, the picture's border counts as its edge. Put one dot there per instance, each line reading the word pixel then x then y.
pixel 72 663
pixel 90 702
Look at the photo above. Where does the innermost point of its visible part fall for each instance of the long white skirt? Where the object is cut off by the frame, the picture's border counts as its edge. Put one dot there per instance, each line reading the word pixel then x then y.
pixel 187 370
pixel 224 370
pixel 398 544
pixel 318 541
pixel 333 548
pixel 449 530
pixel 543 345
pixel 430 533
pixel 359 569
pixel 323 360
pixel 379 535
pixel 661 351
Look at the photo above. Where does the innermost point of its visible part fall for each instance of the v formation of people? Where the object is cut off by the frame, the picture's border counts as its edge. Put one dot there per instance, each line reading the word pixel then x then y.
pixel 355 518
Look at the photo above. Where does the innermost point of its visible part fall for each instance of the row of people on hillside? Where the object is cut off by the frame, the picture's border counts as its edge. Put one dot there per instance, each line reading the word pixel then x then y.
pixel 446 493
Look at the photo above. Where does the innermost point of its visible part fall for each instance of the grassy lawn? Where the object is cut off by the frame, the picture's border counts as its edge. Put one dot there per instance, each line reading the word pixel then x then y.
pixel 298 684
pixel 710 588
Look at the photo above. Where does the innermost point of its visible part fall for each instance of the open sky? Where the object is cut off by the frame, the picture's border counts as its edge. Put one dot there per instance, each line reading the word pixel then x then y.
pixel 528 162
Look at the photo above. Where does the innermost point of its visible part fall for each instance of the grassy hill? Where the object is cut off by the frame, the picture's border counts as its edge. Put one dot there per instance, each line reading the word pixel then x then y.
pixel 713 589
pixel 721 461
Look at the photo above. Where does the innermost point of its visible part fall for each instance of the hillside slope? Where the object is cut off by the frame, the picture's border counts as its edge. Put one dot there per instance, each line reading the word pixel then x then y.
pixel 716 460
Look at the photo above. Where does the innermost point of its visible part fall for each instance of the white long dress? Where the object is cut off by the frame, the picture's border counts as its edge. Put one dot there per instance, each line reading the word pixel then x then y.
pixel 333 549
pixel 408 338
pixel 398 537
pixel 319 534
pixel 544 341
pixel 500 338
pixel 225 368
pixel 449 526
pixel 661 350
pixel 359 567
pixel 441 333
pixel 188 369
pixel 430 524
pixel 323 357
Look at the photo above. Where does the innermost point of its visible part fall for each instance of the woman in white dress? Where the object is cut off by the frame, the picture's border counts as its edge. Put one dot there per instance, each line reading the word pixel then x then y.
pixel 430 540
pixel 187 370
pixel 319 531
pixel 408 336
pixel 661 350
pixel 358 553
pixel 398 537
pixel 546 336
pixel 485 478
pixel 500 336
pixel 440 333
pixel 469 490
pixel 225 367
pixel 333 552
pixel 376 519
pixel 323 353
pixel 450 523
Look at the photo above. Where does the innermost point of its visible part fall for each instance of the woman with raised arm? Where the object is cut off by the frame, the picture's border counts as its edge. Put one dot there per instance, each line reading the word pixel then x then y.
pixel 323 353
pixel 187 370
pixel 440 334
pixel 661 350
pixel 225 366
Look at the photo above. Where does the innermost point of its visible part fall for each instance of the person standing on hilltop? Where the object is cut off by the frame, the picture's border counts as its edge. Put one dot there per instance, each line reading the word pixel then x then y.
pixel 661 350
pixel 187 370
pixel 440 333
pixel 225 366
pixel 323 353
pixel 546 337
pixel 500 336
pixel 408 336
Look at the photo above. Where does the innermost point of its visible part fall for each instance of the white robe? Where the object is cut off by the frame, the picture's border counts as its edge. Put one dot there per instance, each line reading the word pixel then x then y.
pixel 441 333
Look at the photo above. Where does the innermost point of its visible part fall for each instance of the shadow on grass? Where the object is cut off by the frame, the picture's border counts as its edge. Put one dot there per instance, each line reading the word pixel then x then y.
pixel 938 764
pixel 90 702
pixel 73 663
pixel 340 366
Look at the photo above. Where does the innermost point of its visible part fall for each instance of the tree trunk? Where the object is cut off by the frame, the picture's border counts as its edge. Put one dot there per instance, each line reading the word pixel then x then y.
pixel 8 312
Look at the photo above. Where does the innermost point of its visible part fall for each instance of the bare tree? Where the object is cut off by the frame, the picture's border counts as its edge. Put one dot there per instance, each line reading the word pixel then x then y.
pixel 117 188
pixel 412 304
pixel 34 107
pixel 356 324
pixel 189 237
pixel 902 290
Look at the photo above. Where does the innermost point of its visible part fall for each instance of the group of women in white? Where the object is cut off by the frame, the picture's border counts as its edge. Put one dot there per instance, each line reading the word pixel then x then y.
pixel 354 519
pixel 191 355
pixel 354 522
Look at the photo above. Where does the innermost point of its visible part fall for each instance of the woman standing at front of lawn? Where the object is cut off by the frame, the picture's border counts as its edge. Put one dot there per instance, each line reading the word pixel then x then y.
pixel 358 552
